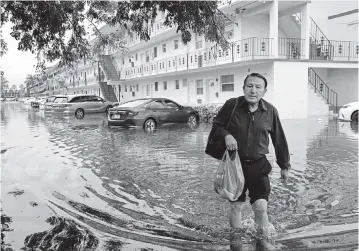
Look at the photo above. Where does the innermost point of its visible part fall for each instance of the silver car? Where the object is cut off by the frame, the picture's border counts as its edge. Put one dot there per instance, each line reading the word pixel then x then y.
pixel 81 104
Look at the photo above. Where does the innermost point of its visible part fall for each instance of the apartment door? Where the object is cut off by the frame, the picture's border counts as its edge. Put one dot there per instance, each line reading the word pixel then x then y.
pixel 147 90
pixel 211 90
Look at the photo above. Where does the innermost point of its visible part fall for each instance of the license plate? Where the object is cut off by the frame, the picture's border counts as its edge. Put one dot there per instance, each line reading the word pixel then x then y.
pixel 117 116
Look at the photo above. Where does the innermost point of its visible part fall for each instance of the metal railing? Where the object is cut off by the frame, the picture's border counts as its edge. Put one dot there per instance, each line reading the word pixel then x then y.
pixel 291 48
pixel 323 89
pixel 318 40
pixel 246 49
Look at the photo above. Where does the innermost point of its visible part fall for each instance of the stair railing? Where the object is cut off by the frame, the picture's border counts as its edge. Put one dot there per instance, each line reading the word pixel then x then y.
pixel 320 39
pixel 323 89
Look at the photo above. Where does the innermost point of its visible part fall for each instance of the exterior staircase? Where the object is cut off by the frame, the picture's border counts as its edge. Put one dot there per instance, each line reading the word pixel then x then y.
pixel 110 72
pixel 322 89
pixel 320 45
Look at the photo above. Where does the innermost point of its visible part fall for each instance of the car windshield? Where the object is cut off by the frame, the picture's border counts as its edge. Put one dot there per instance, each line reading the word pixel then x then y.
pixel 134 103
pixel 60 100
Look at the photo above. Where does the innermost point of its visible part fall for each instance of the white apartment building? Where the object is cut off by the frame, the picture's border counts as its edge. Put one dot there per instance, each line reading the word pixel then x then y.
pixel 307 50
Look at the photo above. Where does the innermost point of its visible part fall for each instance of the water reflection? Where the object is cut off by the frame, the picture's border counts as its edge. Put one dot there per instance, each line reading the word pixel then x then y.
pixel 154 190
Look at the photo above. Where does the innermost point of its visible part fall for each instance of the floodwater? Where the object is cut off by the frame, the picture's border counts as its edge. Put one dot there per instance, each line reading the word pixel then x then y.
pixel 71 184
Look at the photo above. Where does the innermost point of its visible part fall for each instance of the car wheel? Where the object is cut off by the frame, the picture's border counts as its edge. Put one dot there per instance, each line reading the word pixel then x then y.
pixel 192 119
pixel 354 116
pixel 149 125
pixel 79 114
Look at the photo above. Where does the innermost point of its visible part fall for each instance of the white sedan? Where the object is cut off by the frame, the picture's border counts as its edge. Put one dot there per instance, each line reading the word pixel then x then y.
pixel 349 112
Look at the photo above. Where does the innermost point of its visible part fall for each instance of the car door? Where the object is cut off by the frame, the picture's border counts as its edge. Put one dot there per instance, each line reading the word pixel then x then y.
pixel 175 113
pixel 157 109
pixel 98 104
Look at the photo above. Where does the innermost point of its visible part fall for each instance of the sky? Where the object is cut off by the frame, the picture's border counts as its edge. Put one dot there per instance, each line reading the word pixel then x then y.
pixel 16 64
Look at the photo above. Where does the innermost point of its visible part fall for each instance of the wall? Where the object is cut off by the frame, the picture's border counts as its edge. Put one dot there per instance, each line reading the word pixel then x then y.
pixel 322 73
pixel 345 83
pixel 258 26
pixel 339 29
pixel 188 94
pixel 291 89
pixel 321 10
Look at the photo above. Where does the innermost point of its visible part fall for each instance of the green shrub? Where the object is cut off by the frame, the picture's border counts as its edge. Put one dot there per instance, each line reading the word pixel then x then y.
pixel 207 112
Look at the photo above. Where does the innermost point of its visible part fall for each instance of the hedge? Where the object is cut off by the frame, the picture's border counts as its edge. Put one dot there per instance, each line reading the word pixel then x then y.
pixel 207 112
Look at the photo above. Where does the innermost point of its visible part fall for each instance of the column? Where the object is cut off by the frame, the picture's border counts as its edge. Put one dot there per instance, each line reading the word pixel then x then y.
pixel 305 29
pixel 273 27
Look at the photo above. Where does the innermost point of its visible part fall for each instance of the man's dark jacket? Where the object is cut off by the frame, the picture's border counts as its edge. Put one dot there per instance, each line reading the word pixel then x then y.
pixel 251 130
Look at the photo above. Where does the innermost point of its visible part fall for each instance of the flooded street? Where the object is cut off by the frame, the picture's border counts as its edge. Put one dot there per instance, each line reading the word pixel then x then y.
pixel 106 188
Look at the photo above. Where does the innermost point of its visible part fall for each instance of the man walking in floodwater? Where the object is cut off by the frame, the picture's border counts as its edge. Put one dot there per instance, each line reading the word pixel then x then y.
pixel 252 121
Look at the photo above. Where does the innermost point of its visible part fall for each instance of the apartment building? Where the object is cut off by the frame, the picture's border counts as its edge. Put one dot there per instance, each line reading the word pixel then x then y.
pixel 311 66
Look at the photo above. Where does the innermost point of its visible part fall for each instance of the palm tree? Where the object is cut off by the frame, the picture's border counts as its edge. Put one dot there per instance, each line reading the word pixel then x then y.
pixel 29 83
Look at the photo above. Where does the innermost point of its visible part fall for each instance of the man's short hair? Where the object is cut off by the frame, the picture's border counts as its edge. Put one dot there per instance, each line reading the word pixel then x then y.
pixel 257 75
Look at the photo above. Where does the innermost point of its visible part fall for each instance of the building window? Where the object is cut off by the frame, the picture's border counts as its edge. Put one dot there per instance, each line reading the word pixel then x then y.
pixel 137 87
pixel 133 94
pixel 177 84
pixel 199 87
pixel 136 56
pixel 147 56
pixel 123 61
pixel 176 44
pixel 154 52
pixel 156 86
pixel 184 82
pixel 125 88
pixel 164 48
pixel 227 83
pixel 164 85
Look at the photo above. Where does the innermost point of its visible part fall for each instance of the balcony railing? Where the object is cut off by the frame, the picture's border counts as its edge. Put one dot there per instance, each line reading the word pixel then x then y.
pixel 246 49
pixel 291 48
pixel 153 30
pixel 243 50
pixel 335 50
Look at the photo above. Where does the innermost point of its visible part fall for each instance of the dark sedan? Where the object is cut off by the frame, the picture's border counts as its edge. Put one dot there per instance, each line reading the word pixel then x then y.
pixel 150 113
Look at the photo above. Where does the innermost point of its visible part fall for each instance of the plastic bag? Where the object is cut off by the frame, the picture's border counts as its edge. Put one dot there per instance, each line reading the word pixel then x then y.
pixel 229 180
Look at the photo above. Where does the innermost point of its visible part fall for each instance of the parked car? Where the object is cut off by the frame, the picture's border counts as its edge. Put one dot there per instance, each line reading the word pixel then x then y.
pixel 349 112
pixel 49 102
pixel 149 113
pixel 35 103
pixel 80 104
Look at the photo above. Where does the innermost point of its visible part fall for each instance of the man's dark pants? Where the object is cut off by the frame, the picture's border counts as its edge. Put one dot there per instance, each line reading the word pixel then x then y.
pixel 256 179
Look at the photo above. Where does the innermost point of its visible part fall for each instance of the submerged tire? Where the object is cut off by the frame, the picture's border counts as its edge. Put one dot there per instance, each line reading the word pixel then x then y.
pixel 149 125
pixel 80 113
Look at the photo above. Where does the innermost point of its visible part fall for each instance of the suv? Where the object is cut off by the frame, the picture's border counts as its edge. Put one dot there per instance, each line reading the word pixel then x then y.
pixel 81 104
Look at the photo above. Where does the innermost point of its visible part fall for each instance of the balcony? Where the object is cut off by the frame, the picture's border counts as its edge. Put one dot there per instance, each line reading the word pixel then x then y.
pixel 244 50
pixel 132 39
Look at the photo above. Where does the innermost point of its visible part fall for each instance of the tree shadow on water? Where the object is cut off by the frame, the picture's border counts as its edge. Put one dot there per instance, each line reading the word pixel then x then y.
pixel 65 235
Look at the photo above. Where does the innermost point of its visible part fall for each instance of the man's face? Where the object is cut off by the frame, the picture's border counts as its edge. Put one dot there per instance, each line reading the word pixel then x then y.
pixel 254 89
